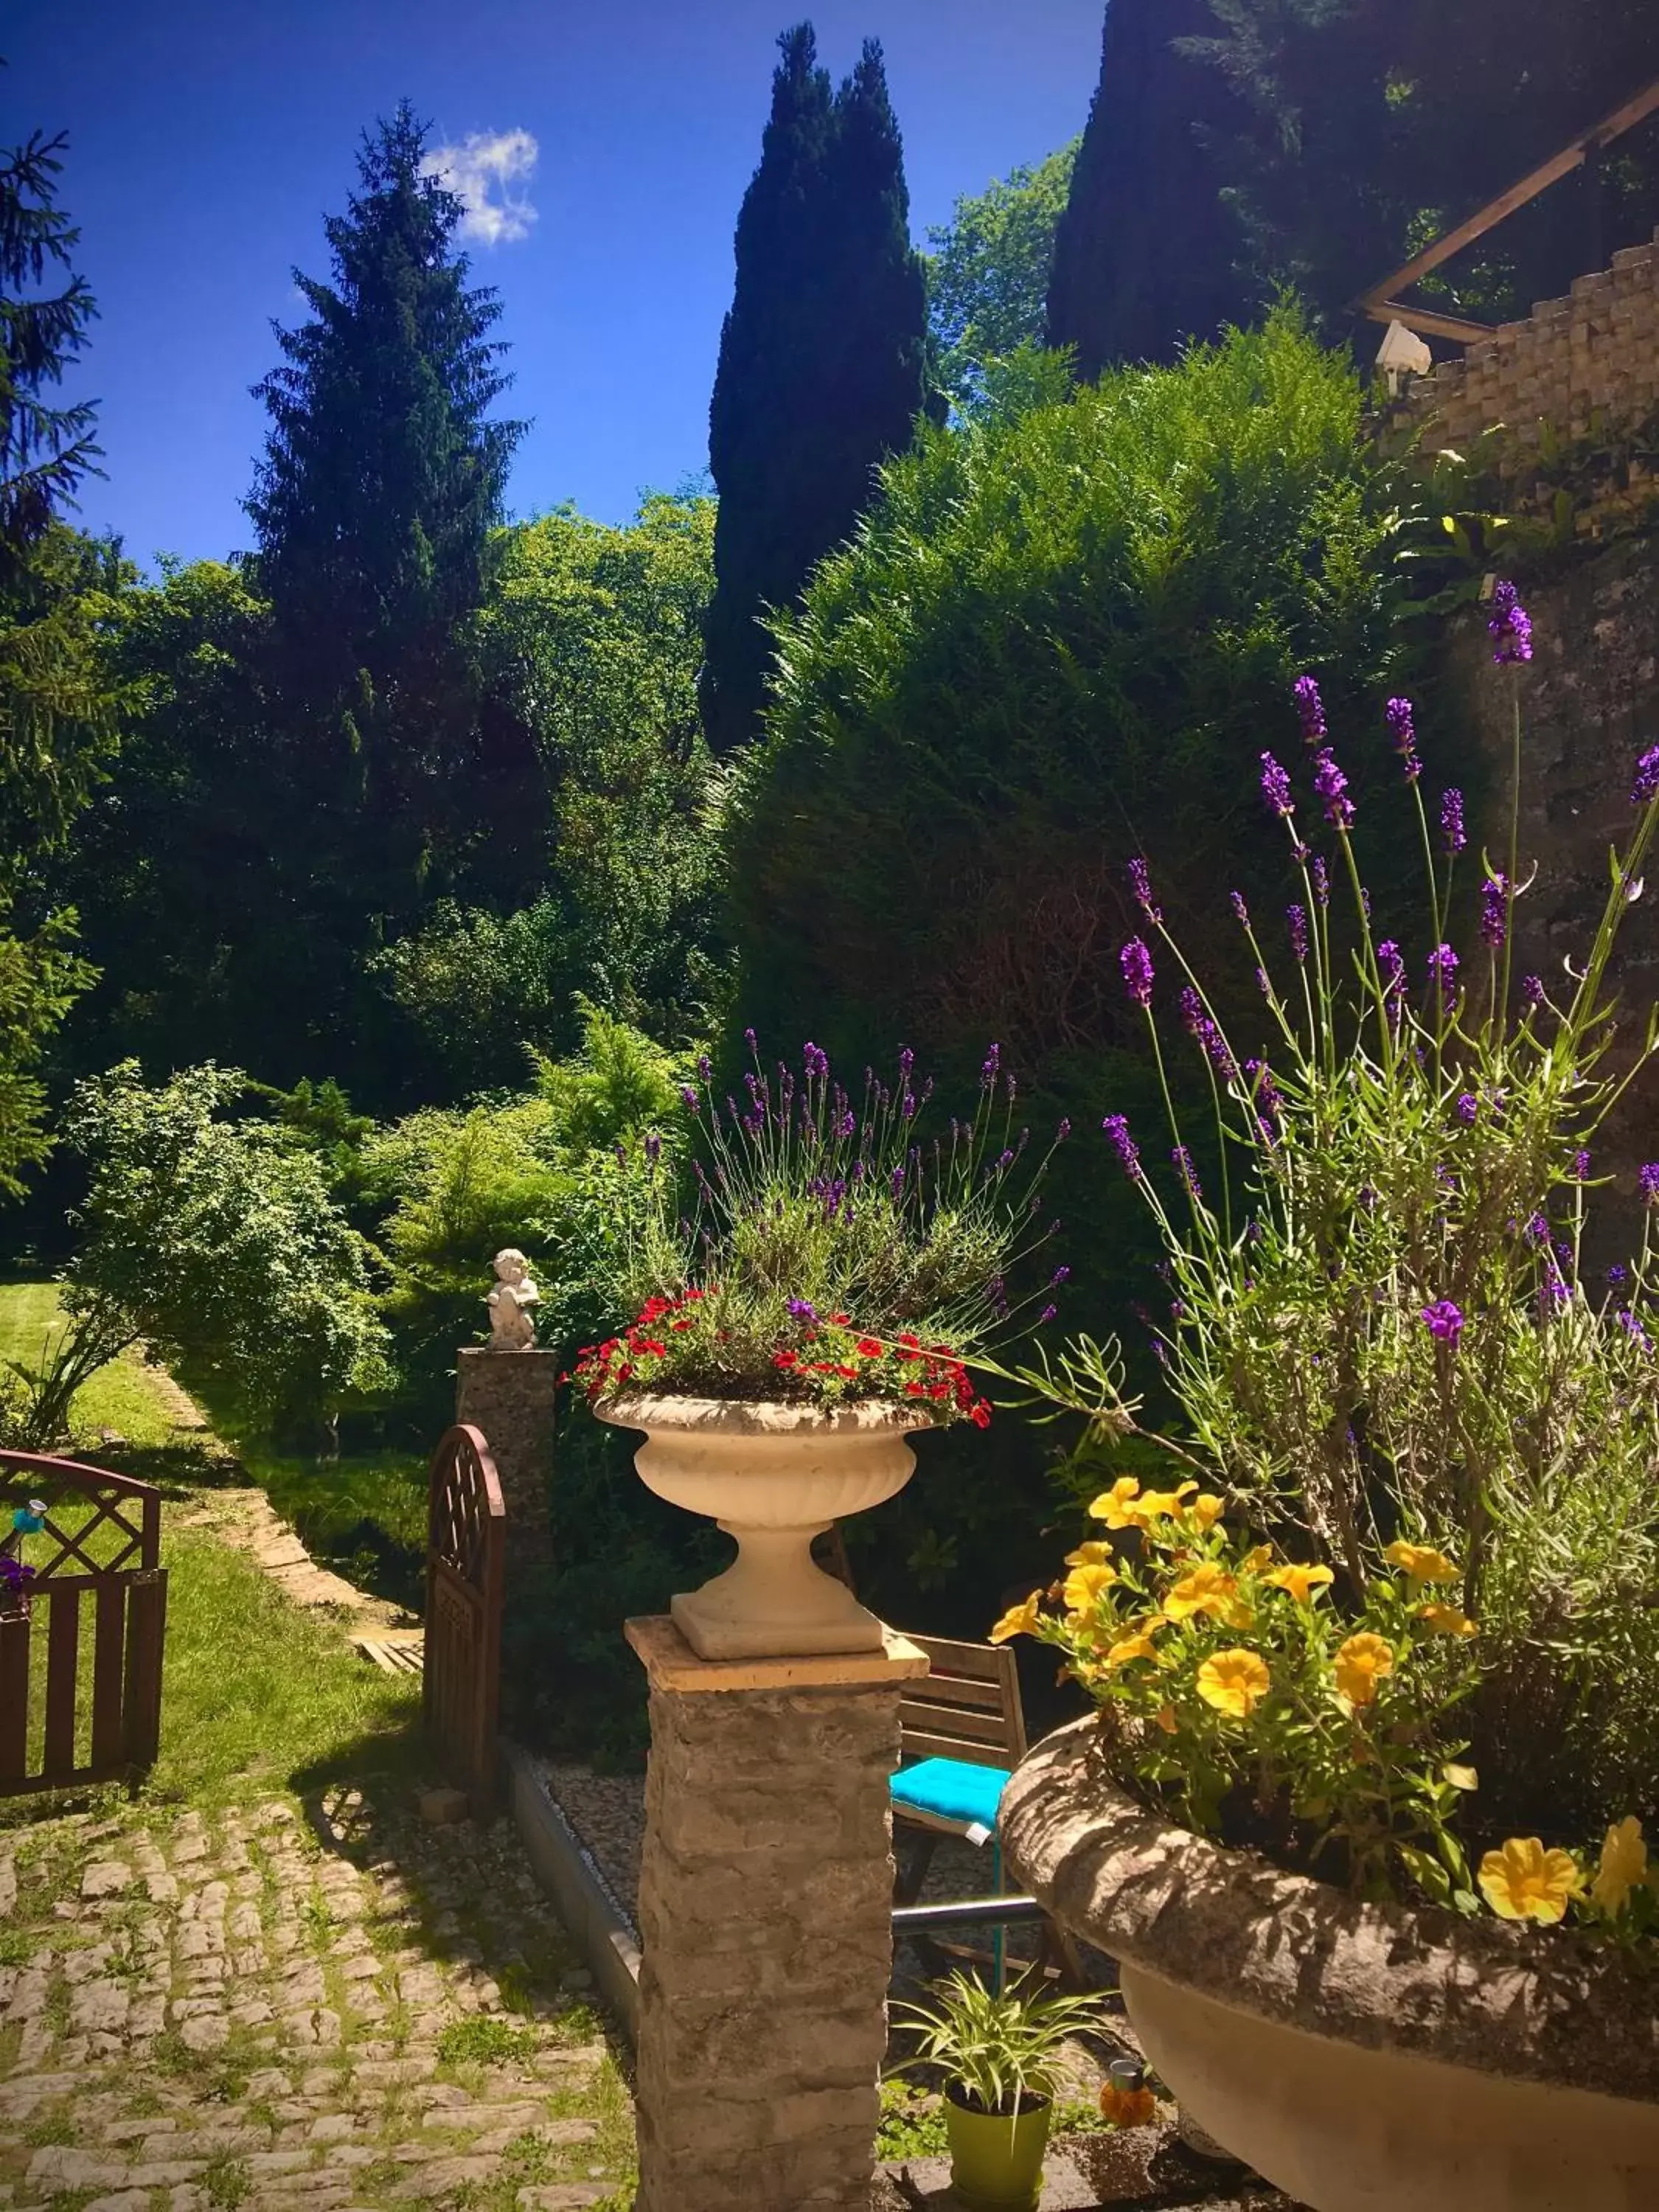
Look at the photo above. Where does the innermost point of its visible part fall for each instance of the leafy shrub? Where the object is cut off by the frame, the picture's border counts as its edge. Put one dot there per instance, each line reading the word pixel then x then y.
pixel 220 1241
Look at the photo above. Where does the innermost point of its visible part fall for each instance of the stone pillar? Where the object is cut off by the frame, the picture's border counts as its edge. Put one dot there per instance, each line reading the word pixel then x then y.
pixel 765 1921
pixel 509 1395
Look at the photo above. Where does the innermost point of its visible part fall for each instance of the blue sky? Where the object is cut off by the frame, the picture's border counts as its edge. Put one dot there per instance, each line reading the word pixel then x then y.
pixel 209 138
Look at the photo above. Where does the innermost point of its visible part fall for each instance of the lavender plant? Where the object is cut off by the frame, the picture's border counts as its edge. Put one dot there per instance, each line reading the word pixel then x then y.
pixel 1379 1330
pixel 830 1249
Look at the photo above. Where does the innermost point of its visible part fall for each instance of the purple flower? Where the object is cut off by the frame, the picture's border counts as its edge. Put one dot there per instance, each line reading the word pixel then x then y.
pixel 1451 823
pixel 1264 1090
pixel 1063 1131
pixel 1581 1167
pixel 1116 1127
pixel 1310 710
pixel 1468 1109
pixel 1141 884
pixel 1538 1229
pixel 1634 1327
pixel 1276 787
pixel 1510 627
pixel 845 1126
pixel 815 1062
pixel 1495 911
pixel 1136 963
pixel 1646 1184
pixel 896 1181
pixel 802 1310
pixel 988 1073
pixel 1618 1275
pixel 1390 965
pixel 1060 1275
pixel 689 1096
pixel 1333 787
pixel 1402 732
pixel 1532 990
pixel 907 1061
pixel 1239 908
pixel 1321 882
pixel 1444 1323
pixel 1646 786
pixel 704 1069
pixel 1188 1172
pixel 1296 916
pixel 15 1572
pixel 1047 1313
pixel 653 1147
pixel 748 1039
pixel 1443 974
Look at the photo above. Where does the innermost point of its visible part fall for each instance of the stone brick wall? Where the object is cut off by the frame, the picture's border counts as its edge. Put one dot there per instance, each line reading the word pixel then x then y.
pixel 1597 349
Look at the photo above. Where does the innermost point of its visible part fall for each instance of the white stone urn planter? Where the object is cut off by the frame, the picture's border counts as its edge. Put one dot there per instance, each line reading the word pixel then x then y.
pixel 1366 2058
pixel 774 1477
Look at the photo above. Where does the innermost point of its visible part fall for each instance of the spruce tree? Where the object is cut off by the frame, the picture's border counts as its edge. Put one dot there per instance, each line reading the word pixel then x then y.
pixel 823 362
pixel 383 476
pixel 1145 253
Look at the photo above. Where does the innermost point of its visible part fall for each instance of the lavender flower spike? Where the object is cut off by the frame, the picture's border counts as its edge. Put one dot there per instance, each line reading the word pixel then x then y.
pixel 1116 1127
pixel 1442 973
pixel 1140 883
pixel 1510 627
pixel 1402 732
pixel 1646 1184
pixel 1451 823
pixel 1532 990
pixel 1188 1172
pixel 1240 911
pixel 1136 963
pixel 1276 787
pixel 1495 911
pixel 1444 1322
pixel 1646 786
pixel 1310 710
pixel 1333 787
pixel 1296 917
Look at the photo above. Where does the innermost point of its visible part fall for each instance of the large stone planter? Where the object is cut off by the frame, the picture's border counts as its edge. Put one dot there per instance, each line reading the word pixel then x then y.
pixel 1366 2058
pixel 774 1477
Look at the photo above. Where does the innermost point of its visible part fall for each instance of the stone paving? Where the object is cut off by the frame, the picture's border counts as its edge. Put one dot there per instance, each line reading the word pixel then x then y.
pixel 246 2009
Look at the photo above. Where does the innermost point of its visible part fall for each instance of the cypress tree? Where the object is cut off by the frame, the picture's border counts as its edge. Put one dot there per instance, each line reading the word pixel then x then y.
pixel 1144 253
pixel 823 362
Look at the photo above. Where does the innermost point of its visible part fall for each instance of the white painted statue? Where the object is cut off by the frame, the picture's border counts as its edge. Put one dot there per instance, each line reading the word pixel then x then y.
pixel 513 1327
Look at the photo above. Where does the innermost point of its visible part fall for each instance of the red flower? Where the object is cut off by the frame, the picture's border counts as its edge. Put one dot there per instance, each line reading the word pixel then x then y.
pixel 913 1390
pixel 939 1389
pixel 682 1324
pixel 841 1321
pixel 910 1343
pixel 784 1359
pixel 850 1374
pixel 868 1348
pixel 981 1416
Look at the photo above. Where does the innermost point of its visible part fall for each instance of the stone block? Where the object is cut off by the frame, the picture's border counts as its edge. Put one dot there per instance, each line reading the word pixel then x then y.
pixel 442 1808
pixel 510 1396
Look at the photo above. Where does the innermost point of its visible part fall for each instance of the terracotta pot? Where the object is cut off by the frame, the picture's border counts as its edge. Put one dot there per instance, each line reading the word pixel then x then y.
pixel 1366 2058
pixel 996 2158
pixel 773 1477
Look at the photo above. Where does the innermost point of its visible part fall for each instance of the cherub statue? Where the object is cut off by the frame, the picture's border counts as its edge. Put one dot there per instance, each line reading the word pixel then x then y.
pixel 513 1327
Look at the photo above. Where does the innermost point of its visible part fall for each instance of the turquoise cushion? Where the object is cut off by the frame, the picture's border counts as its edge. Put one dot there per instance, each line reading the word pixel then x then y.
pixel 953 1789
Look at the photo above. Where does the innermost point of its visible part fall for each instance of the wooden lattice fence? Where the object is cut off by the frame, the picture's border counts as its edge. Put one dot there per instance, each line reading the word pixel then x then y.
pixel 81 1632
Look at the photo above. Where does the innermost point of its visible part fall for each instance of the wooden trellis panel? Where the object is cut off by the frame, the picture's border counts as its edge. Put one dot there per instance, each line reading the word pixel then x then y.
pixel 466 1567
pixel 80 1654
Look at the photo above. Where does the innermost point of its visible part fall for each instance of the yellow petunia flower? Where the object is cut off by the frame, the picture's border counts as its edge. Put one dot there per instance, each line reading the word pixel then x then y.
pixel 1361 1664
pixel 1090 1555
pixel 1233 1682
pixel 1624 1863
pixel 1112 1505
pixel 1301 1582
pixel 1523 1882
pixel 1162 1505
pixel 1262 1556
pixel 1083 1587
pixel 1420 1564
pixel 1138 1646
pixel 1018 1621
pixel 1209 1589
pixel 1445 1620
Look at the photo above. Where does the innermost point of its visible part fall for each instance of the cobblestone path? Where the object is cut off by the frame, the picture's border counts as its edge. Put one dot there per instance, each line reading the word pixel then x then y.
pixel 244 2009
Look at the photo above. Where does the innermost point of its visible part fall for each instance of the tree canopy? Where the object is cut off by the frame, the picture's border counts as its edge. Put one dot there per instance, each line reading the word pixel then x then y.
pixel 988 271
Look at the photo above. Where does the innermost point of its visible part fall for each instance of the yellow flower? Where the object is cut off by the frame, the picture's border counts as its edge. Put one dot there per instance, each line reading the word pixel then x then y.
pixel 1112 1505
pixel 1523 1882
pixel 1261 1557
pixel 1018 1621
pixel 1445 1620
pixel 1206 1510
pixel 1233 1682
pixel 1162 1505
pixel 1164 1718
pixel 1302 1582
pixel 1420 1564
pixel 1361 1663
pixel 1624 1863
pixel 1208 1589
pixel 1083 1586
pixel 1127 2108
pixel 1138 1646
pixel 1090 1555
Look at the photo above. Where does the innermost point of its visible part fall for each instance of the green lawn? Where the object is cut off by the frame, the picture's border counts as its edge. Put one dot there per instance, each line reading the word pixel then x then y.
pixel 123 1396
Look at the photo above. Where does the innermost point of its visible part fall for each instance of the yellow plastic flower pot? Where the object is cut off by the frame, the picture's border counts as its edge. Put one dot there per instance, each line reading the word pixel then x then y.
pixel 996 2161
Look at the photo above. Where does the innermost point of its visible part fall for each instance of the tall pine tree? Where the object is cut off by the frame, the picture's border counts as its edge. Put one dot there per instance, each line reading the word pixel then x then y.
pixel 1144 255
pixel 382 478
pixel 823 362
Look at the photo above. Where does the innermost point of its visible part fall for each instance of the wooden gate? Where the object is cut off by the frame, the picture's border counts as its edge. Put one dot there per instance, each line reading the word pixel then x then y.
pixel 465 1567
pixel 100 1540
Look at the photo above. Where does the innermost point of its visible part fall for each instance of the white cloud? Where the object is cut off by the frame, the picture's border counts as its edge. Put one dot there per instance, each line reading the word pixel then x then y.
pixel 483 172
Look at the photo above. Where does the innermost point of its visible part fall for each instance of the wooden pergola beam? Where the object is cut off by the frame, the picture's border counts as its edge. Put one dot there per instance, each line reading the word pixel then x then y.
pixel 1379 302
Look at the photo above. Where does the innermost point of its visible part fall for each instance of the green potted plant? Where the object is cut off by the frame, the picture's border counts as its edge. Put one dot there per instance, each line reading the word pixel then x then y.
pixel 811 1295
pixel 1370 1621
pixel 1003 2059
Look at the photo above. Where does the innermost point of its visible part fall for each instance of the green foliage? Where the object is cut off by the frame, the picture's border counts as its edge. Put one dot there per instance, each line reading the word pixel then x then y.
pixel 1144 251
pixel 823 362
pixel 988 274
pixel 997 2048
pixel 912 2124
pixel 219 1240
pixel 45 450
pixel 41 976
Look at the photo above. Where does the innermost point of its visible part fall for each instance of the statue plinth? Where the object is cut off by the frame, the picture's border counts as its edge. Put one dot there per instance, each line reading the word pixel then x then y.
pixel 510 1396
